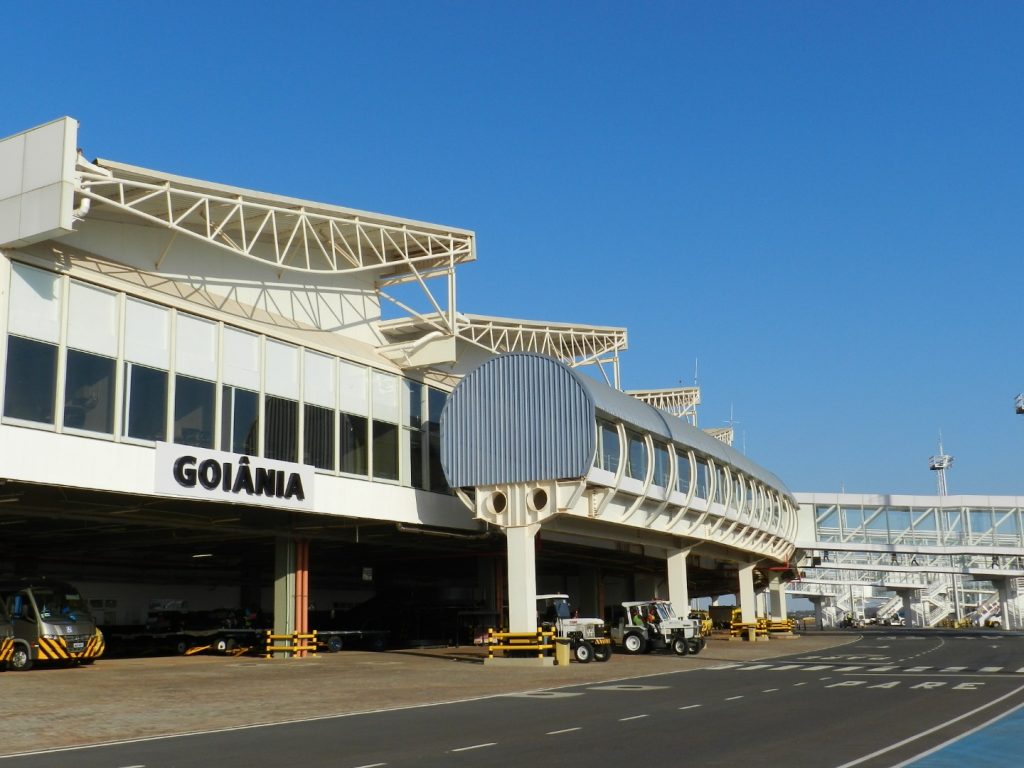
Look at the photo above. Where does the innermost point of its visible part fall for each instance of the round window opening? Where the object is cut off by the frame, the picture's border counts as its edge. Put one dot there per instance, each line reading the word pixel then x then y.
pixel 498 502
pixel 539 499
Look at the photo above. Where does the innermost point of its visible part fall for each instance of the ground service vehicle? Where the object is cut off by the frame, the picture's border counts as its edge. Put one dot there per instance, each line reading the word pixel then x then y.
pixel 587 638
pixel 52 622
pixel 6 637
pixel 648 625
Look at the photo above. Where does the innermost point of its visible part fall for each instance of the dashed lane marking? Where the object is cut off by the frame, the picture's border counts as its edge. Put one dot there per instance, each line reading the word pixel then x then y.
pixel 368 765
pixel 882 669
pixel 627 687
pixel 848 669
pixel 785 667
pixel 917 669
pixel 690 706
pixel 564 730
pixel 769 690
pixel 476 746
pixel 953 669
pixel 990 669
pixel 752 667
pixel 634 717
pixel 796 685
pixel 733 698
pixel 818 668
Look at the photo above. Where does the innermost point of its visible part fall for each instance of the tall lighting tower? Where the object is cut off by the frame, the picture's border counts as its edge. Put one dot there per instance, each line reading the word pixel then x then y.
pixel 940 463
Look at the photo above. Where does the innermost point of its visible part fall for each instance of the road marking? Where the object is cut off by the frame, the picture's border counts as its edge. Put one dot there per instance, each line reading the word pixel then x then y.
pixel 881 669
pixel 140 765
pixel 798 684
pixel 634 717
pixel 368 765
pixel 953 669
pixel 543 695
pixel 917 669
pixel 476 746
pixel 724 666
pixel 733 698
pixel 990 669
pixel 755 666
pixel 564 730
pixel 817 667
pixel 930 731
pixel 784 667
pixel 847 669
pixel 1020 671
pixel 627 687
pixel 769 690
pixel 690 706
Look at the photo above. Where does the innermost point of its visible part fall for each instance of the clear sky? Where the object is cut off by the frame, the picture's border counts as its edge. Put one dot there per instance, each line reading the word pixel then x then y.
pixel 823 202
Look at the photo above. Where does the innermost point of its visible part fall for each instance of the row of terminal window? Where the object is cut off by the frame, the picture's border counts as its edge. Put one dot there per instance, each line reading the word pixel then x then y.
pixel 393 435
pixel 706 484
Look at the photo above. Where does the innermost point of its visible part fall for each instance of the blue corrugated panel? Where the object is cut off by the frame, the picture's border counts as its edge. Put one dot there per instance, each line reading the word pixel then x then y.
pixel 519 417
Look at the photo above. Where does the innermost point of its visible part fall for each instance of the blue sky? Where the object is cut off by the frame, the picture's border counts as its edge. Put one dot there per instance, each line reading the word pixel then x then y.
pixel 823 202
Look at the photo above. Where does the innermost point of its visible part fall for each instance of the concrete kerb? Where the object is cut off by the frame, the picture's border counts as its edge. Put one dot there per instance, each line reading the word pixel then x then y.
pixel 141 699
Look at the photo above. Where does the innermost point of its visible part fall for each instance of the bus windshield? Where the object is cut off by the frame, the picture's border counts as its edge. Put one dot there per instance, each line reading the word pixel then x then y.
pixel 59 603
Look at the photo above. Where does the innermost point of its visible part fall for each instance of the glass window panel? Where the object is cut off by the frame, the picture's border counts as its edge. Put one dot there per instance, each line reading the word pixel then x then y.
pixel 195 347
pixel 31 380
pixel 318 384
pixel 981 522
pixel 281 429
pixel 703 473
pixel 899 520
pixel 282 370
pixel 636 456
pixel 1007 523
pixel 147 334
pixel 412 403
pixel 194 411
pixel 92 319
pixel 720 485
pixel 35 305
pixel 352 444
pixel 829 520
pixel 415 458
pixel 318 436
pixel 145 402
pixel 925 521
pixel 241 359
pixel 385 396
pixel 352 385
pixel 240 421
pixel 436 400
pixel 661 465
pixel 89 392
pixel 853 518
pixel 683 472
pixel 609 447
pixel 385 450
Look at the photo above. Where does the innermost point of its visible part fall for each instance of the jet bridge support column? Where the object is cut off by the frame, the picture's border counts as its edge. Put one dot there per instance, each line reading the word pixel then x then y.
pixel 748 599
pixel 1008 603
pixel 522 577
pixel 777 590
pixel 907 595
pixel 678 589
pixel 284 585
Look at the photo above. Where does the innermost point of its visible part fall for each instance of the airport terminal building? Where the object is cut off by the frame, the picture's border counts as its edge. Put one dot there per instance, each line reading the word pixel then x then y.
pixel 204 407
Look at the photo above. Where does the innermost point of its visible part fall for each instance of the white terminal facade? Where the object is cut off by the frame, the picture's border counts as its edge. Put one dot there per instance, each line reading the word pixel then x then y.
pixel 205 407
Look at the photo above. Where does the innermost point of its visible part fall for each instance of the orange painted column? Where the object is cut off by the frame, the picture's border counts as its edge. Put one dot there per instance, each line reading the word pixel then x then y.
pixel 301 589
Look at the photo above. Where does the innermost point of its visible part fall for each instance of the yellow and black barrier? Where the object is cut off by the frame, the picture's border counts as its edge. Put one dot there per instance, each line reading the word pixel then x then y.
pixel 6 649
pixel 541 642
pixel 301 643
pixel 56 648
pixel 781 625
pixel 741 629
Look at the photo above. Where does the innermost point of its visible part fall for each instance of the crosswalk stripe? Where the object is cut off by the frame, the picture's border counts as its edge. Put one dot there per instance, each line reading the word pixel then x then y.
pixel 847 669
pixel 917 669
pixel 756 666
pixel 723 666
pixel 990 669
pixel 787 666
pixel 817 668
pixel 881 669
pixel 1020 671
pixel 953 669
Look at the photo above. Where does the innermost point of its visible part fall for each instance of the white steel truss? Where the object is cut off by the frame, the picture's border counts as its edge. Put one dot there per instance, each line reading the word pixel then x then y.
pixel 724 434
pixel 574 345
pixel 287 233
pixel 679 401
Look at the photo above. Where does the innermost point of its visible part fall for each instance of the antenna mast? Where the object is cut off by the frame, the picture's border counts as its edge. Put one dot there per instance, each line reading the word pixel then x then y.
pixel 939 464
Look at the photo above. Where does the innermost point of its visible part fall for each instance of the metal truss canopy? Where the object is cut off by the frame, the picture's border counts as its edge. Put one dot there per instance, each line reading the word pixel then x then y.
pixel 574 345
pixel 724 434
pixel 679 401
pixel 287 233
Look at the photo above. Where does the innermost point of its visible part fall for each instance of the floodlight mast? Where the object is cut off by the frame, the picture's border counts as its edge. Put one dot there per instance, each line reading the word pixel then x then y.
pixel 939 464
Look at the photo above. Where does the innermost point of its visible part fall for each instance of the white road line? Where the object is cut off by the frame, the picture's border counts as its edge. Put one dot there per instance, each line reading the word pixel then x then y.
pixel 798 684
pixel 368 765
pixel 634 717
pixel 784 667
pixel 733 698
pixel 1020 671
pixel 476 746
pixel 938 727
pixel 847 669
pixel 881 669
pixel 817 668
pixel 690 706
pixel 917 669
pixel 724 666
pixel 140 765
pixel 769 690
pixel 564 730
pixel 755 666
pixel 953 669
pixel 990 669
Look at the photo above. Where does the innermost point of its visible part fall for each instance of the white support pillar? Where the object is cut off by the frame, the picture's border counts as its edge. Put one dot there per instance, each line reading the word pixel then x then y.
pixel 907 595
pixel 284 586
pixel 522 578
pixel 819 615
pixel 1007 614
pixel 777 590
pixel 678 589
pixel 748 600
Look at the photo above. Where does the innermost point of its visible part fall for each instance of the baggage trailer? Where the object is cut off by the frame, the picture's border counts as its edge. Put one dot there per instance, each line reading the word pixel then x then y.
pixel 52 622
